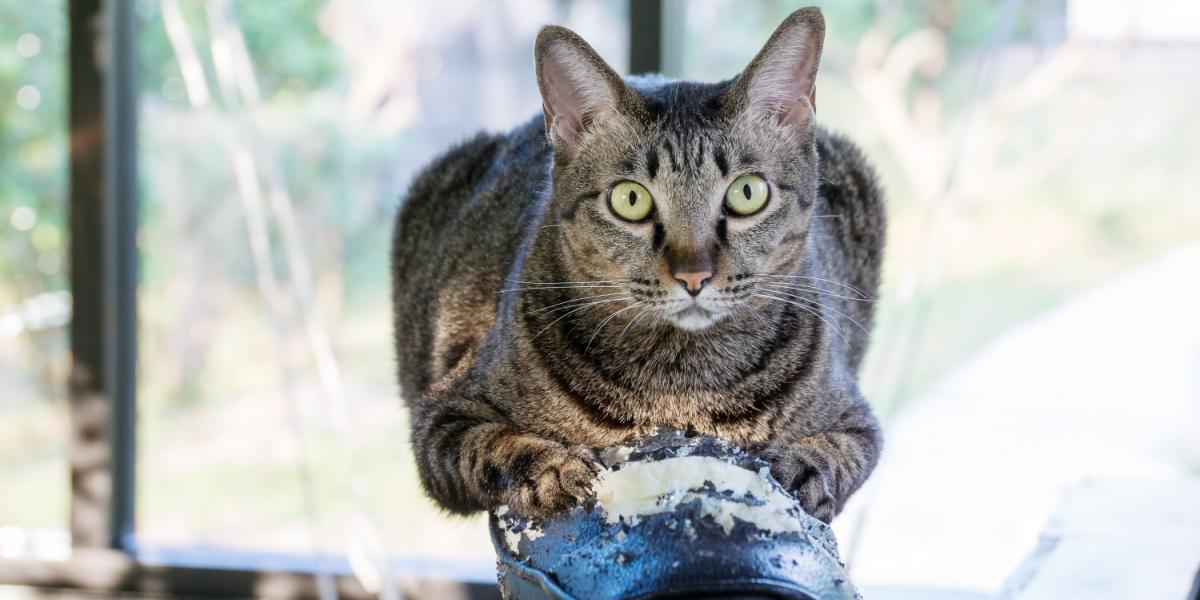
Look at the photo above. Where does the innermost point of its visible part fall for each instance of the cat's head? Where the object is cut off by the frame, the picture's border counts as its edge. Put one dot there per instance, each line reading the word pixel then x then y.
pixel 679 194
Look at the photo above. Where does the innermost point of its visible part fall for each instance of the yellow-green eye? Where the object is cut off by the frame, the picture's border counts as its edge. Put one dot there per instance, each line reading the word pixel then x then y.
pixel 747 195
pixel 630 201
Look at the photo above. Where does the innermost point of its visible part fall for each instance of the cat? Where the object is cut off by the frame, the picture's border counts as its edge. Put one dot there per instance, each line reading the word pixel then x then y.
pixel 645 253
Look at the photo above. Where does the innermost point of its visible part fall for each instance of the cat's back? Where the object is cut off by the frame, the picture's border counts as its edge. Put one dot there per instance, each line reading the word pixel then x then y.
pixel 458 230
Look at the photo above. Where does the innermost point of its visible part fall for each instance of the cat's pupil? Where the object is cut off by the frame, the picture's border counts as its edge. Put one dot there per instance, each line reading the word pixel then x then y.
pixel 632 197
pixel 746 190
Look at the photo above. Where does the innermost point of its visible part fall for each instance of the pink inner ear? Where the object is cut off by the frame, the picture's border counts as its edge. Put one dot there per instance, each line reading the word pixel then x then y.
pixel 783 83
pixel 565 107
pixel 567 129
pixel 798 112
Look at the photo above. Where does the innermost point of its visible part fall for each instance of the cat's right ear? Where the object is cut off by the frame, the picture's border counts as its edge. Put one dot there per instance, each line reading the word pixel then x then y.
pixel 580 92
pixel 780 84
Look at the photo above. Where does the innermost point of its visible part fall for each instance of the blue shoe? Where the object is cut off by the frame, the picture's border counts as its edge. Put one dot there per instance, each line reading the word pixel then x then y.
pixel 673 517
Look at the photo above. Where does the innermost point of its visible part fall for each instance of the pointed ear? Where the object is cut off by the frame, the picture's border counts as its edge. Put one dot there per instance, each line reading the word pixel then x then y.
pixel 781 80
pixel 579 90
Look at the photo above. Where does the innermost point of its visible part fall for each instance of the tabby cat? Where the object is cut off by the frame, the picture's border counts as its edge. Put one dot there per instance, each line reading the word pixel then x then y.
pixel 649 253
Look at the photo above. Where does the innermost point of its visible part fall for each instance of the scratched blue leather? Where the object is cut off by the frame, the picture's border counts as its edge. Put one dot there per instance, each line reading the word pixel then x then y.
pixel 677 554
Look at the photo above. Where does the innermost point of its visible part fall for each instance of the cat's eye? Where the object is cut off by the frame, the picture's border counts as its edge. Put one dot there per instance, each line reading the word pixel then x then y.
pixel 630 201
pixel 747 195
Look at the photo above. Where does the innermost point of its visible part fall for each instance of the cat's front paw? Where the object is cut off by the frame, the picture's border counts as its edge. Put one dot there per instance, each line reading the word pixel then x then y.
pixel 804 473
pixel 550 479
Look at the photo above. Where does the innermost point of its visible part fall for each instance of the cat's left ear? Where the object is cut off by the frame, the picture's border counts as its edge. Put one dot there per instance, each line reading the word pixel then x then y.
pixel 781 81
pixel 580 92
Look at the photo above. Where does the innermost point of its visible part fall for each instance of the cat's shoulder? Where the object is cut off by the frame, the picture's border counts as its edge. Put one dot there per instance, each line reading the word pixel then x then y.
pixel 467 161
pixel 842 160
pixel 834 146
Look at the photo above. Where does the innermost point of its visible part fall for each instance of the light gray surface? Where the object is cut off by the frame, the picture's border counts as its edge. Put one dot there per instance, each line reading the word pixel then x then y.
pixel 1105 385
pixel 1117 539
pixel 919 593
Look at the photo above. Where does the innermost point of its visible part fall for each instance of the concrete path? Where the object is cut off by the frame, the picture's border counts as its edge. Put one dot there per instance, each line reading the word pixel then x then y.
pixel 1105 386
pixel 1117 539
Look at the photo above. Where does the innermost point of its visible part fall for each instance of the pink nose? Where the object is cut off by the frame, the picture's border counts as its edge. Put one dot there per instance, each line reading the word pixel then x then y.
pixel 693 281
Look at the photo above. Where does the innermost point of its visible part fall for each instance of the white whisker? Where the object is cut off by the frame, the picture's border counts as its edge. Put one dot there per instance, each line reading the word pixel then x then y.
pixel 605 322
pixel 838 283
pixel 811 288
pixel 834 328
pixel 756 314
pixel 573 301
pixel 566 282
pixel 836 311
pixel 556 287
pixel 635 320
pixel 575 310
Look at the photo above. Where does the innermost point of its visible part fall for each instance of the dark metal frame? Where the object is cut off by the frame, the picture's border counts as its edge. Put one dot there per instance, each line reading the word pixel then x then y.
pixel 121 260
pixel 89 348
pixel 654 36
pixel 103 207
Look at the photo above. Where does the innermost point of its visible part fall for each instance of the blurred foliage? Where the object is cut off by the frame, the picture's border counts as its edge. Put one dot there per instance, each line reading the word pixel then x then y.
pixel 294 57
pixel 33 146
pixel 213 418
pixel 33 249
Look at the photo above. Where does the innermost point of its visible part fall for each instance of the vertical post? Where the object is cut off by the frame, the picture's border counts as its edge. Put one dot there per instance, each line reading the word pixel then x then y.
pixel 103 268
pixel 121 259
pixel 645 36
pixel 672 30
pixel 89 452
pixel 655 36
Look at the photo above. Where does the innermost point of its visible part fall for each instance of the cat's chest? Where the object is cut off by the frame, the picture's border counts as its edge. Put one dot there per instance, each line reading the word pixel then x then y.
pixel 639 413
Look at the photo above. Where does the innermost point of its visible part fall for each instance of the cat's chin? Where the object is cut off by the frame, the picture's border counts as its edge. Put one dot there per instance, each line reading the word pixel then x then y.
pixel 694 318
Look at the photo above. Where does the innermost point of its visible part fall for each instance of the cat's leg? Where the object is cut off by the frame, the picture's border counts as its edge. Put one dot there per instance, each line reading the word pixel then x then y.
pixel 825 467
pixel 471 457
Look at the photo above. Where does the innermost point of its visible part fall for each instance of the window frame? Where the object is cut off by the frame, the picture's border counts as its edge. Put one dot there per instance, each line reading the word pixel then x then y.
pixel 102 393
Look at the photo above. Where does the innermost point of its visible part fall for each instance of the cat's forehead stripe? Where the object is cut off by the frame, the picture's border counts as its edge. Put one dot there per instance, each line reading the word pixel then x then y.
pixel 671 154
pixel 687 152
pixel 721 162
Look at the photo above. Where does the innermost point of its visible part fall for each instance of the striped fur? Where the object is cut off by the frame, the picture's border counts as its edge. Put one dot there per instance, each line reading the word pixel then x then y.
pixel 514 377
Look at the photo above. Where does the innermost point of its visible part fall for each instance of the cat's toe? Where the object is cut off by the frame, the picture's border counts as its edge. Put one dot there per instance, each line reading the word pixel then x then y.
pixel 805 475
pixel 557 481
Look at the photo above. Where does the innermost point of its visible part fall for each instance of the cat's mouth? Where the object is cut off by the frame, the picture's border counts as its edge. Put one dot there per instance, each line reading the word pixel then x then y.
pixel 693 310
pixel 693 317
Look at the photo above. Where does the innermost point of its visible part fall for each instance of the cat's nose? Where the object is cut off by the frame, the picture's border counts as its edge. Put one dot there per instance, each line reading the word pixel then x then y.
pixel 693 281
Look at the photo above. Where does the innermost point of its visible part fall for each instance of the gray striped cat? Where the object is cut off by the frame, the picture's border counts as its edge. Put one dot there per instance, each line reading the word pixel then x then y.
pixel 649 253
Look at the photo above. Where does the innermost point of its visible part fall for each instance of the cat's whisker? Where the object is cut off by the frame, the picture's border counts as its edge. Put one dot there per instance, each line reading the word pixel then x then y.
pixel 757 315
pixel 575 310
pixel 556 287
pixel 566 282
pixel 574 301
pixel 640 314
pixel 832 327
pixel 605 322
pixel 835 311
pixel 811 277
pixel 840 284
pixel 787 285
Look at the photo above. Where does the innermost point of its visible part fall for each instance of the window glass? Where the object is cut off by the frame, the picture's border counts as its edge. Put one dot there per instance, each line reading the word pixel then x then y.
pixel 1039 174
pixel 276 140
pixel 34 302
pixel 996 127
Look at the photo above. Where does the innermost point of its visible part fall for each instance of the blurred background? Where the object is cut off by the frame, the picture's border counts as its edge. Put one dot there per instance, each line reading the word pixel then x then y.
pixel 1036 328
